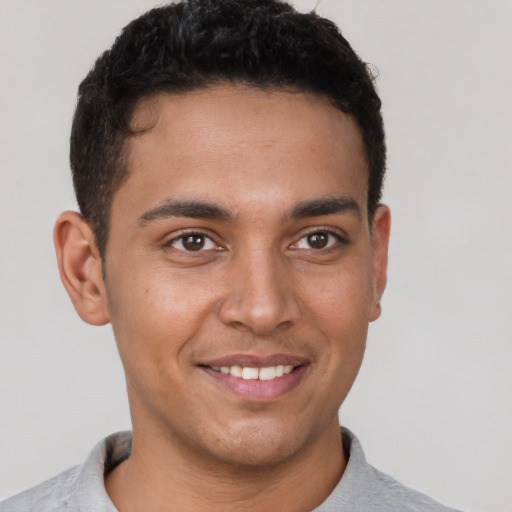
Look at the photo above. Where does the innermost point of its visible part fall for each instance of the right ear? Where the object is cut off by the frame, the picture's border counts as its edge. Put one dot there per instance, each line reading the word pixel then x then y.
pixel 80 267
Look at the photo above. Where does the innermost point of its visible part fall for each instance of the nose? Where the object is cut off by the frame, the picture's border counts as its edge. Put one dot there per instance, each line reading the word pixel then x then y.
pixel 260 297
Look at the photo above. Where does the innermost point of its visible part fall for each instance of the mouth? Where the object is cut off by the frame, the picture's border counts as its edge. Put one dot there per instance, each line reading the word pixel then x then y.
pixel 257 379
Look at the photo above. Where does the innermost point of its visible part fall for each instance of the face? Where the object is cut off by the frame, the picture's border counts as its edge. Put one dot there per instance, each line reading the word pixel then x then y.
pixel 240 271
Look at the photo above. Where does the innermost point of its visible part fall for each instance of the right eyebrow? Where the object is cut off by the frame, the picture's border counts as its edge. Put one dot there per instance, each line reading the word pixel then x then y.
pixel 192 209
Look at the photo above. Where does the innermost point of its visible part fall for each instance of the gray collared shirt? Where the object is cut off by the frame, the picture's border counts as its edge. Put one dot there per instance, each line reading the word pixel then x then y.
pixel 82 488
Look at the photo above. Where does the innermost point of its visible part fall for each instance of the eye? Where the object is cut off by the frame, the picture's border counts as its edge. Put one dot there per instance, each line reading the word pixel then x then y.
pixel 193 242
pixel 318 240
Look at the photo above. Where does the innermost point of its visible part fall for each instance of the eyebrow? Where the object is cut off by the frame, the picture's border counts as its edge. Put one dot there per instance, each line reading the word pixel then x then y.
pixel 325 206
pixel 210 211
pixel 192 209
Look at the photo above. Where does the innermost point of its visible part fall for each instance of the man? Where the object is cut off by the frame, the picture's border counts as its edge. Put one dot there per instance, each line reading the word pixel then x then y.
pixel 228 160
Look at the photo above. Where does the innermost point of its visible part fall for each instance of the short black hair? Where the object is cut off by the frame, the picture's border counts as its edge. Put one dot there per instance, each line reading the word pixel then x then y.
pixel 192 44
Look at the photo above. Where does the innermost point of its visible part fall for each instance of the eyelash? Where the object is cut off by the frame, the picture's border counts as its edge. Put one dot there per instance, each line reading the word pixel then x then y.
pixel 339 239
pixel 317 231
pixel 188 234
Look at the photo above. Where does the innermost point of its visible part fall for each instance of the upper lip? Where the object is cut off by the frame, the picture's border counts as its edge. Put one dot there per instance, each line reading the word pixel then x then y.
pixel 255 361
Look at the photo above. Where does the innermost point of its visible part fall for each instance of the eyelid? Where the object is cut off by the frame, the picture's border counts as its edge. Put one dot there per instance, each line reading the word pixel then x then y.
pixel 337 232
pixel 340 236
pixel 191 231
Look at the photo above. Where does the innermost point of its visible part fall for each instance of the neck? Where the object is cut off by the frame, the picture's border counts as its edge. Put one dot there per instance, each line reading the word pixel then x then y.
pixel 155 478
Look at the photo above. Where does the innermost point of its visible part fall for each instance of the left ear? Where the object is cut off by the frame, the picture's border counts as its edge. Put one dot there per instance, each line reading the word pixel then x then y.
pixel 380 240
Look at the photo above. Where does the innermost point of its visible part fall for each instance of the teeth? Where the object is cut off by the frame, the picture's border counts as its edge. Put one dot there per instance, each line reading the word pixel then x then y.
pixel 267 373
pixel 236 371
pixel 249 373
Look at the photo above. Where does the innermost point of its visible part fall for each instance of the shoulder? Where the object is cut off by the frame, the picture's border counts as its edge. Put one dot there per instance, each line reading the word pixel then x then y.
pixel 363 488
pixel 53 495
pixel 81 488
pixel 388 492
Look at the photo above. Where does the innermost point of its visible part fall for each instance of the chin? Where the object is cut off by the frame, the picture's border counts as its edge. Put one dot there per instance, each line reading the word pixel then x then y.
pixel 261 444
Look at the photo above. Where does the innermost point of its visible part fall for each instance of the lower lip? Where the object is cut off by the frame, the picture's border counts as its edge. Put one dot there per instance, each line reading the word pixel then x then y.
pixel 255 390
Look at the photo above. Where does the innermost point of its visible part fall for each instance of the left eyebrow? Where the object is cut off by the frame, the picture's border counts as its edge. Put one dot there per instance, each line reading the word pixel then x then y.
pixel 325 206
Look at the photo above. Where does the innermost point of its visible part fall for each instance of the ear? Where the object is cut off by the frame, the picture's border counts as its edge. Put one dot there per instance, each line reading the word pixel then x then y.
pixel 380 241
pixel 80 267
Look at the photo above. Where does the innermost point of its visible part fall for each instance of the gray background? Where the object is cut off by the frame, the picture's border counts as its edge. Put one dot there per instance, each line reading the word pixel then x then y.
pixel 432 404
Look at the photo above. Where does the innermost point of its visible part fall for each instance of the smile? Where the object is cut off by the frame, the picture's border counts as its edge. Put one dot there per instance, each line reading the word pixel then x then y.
pixel 249 373
pixel 257 379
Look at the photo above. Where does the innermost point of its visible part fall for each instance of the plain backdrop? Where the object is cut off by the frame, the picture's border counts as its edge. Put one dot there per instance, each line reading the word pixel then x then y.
pixel 432 404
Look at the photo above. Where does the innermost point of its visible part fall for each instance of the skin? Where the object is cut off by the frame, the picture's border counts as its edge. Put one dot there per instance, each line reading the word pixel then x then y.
pixel 256 288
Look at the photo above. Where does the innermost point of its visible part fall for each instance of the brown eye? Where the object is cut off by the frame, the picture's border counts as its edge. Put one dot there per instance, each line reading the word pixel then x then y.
pixel 193 242
pixel 318 240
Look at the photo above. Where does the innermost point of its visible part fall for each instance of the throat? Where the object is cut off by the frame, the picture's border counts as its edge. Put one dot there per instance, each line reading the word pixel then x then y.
pixel 163 485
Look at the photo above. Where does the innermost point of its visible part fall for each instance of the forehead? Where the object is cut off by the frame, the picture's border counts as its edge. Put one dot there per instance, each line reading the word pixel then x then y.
pixel 240 112
pixel 239 141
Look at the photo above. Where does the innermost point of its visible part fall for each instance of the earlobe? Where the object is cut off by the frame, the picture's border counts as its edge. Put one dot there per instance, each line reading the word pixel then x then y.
pixel 80 267
pixel 380 241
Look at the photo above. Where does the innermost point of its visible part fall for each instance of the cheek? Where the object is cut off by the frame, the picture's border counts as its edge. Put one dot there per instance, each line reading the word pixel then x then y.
pixel 154 314
pixel 340 310
pixel 342 299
